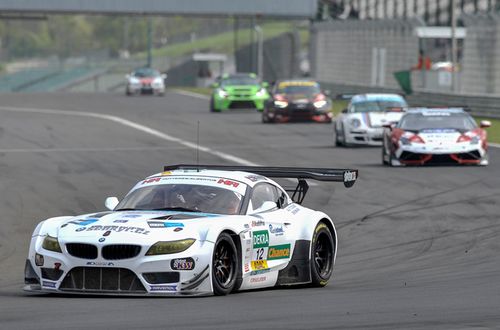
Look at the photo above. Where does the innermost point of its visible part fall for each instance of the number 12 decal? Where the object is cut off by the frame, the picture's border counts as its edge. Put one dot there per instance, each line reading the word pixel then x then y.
pixel 260 254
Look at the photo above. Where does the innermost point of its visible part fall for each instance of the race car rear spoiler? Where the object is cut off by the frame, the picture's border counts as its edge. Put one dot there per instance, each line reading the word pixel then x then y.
pixel 347 176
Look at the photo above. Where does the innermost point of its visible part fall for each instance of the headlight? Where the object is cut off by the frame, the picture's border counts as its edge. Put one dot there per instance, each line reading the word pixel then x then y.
pixel 158 81
pixel 51 243
pixel 261 93
pixel 170 247
pixel 319 104
pixel 134 81
pixel 355 122
pixel 222 93
pixel 281 104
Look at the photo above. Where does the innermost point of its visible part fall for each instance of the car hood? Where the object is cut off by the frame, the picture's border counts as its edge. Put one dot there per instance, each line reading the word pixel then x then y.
pixel 377 119
pixel 135 226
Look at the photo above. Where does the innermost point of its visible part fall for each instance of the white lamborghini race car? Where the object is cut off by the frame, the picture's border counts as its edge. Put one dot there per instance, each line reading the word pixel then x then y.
pixel 435 136
pixel 191 230
pixel 361 122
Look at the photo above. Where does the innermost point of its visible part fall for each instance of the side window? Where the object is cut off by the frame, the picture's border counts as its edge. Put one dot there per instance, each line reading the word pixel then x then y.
pixel 263 192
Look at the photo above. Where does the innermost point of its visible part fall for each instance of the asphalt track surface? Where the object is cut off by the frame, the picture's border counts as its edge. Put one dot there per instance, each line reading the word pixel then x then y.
pixel 419 247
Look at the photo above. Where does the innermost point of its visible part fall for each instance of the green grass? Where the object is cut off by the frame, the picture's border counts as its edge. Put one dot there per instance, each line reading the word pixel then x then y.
pixel 223 42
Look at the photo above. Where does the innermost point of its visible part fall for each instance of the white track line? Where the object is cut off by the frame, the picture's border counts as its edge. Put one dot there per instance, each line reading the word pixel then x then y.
pixel 139 127
pixel 191 94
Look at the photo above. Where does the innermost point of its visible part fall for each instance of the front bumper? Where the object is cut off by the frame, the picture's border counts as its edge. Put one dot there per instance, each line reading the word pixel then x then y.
pixel 365 136
pixel 180 274
pixel 239 102
pixel 146 89
pixel 427 155
pixel 298 113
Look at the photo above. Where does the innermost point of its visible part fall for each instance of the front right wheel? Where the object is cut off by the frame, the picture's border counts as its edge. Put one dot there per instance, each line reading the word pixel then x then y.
pixel 322 254
pixel 224 265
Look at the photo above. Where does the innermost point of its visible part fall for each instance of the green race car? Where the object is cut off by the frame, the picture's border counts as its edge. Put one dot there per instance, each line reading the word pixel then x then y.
pixel 238 91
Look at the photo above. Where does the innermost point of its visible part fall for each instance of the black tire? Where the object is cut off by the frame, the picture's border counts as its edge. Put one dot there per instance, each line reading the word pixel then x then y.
pixel 384 162
pixel 212 105
pixel 336 136
pixel 322 254
pixel 225 265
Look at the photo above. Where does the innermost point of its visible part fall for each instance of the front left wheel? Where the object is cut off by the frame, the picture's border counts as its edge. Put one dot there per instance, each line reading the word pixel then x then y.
pixel 322 255
pixel 224 265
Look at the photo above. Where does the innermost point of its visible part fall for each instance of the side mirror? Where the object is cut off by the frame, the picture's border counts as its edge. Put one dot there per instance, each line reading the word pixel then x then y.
pixel 327 92
pixel 214 85
pixel 266 206
pixel 344 111
pixel 485 123
pixel 164 75
pixel 265 84
pixel 111 203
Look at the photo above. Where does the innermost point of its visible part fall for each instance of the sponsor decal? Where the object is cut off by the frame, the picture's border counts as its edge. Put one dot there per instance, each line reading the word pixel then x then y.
pixel 178 229
pixel 120 221
pixel 151 180
pixel 83 222
pixel 107 233
pixel 276 230
pixel 99 263
pixel 260 238
pixel 247 267
pixel 294 209
pixel 278 252
pixel 259 264
pixel 160 224
pixel 131 215
pixel 259 271
pixel 166 173
pixel 255 178
pixel 349 176
pixel 182 264
pixel 163 287
pixel 257 223
pixel 258 279
pixel 118 229
pixel 48 284
pixel 228 183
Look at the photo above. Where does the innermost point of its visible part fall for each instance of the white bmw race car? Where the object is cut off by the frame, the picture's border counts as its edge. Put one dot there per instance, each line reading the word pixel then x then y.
pixel 361 122
pixel 191 230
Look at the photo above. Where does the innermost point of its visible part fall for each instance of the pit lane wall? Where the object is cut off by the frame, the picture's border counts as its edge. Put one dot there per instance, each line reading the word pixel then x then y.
pixel 361 56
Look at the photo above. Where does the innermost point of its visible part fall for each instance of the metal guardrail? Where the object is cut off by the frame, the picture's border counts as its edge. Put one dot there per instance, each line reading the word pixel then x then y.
pixel 480 105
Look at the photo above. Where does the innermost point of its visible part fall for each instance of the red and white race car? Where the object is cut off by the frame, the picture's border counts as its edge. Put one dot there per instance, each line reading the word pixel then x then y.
pixel 435 135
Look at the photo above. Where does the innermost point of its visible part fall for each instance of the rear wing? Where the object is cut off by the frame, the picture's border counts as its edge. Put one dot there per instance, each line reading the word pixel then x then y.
pixel 347 176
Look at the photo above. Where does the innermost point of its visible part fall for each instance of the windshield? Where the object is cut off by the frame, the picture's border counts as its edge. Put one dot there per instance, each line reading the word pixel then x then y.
pixel 239 81
pixel 377 106
pixel 307 90
pixel 146 72
pixel 183 197
pixel 420 122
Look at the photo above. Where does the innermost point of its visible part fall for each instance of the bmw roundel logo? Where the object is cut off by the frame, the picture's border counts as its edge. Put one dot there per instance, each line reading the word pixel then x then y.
pixel 102 239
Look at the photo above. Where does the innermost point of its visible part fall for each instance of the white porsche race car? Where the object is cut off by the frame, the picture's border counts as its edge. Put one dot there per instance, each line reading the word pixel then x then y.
pixel 191 230
pixel 361 122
